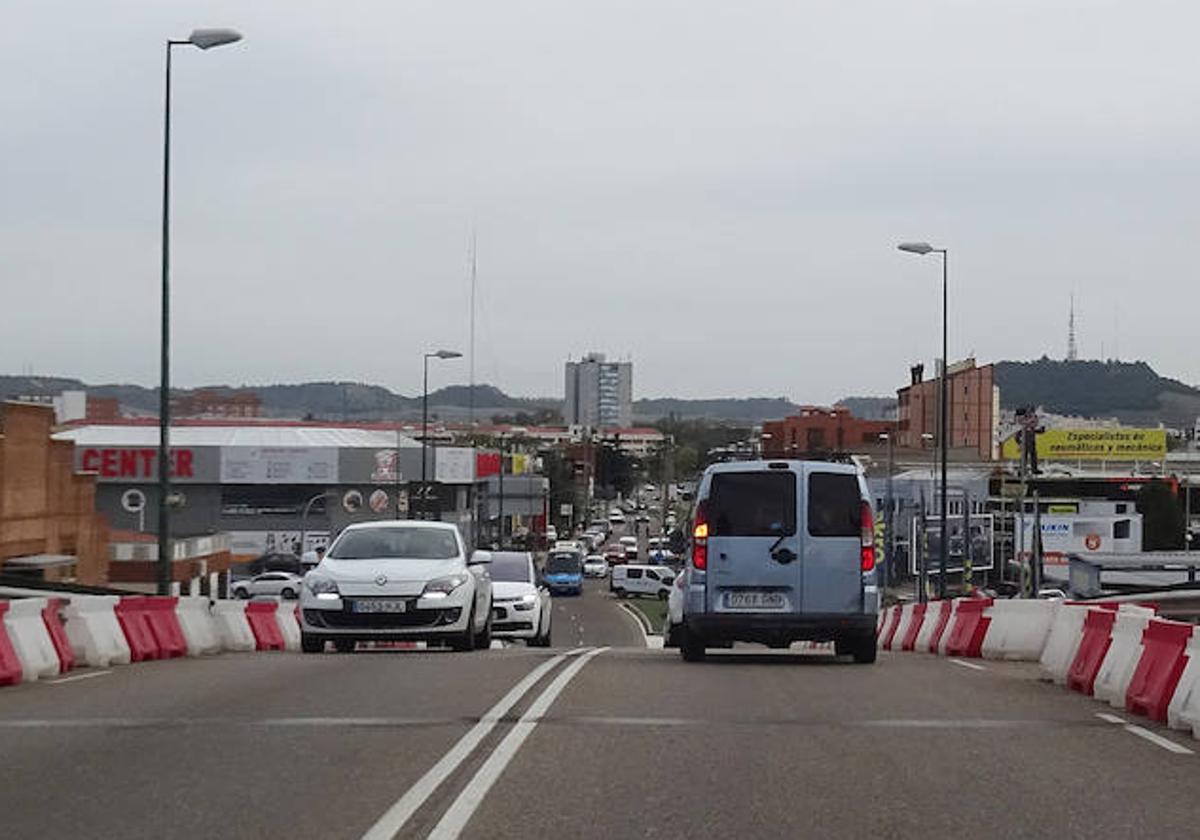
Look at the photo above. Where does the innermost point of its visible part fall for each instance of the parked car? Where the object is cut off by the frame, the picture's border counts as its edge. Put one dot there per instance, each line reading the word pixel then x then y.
pixel 781 551
pixel 616 517
pixel 520 605
pixel 397 580
pixel 282 584
pixel 638 579
pixel 563 572
pixel 594 565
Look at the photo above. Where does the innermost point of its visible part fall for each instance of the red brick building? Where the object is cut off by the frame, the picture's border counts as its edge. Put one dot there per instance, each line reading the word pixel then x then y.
pixel 210 403
pixel 816 430
pixel 974 411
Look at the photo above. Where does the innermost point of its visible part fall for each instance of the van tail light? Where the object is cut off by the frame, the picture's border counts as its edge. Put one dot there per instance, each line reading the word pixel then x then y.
pixel 700 538
pixel 868 538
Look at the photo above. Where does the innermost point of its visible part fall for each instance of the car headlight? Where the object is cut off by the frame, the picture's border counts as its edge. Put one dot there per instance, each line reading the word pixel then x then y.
pixel 526 602
pixel 443 586
pixel 324 588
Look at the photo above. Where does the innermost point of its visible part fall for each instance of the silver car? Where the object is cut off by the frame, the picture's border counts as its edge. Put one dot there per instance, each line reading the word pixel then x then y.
pixel 281 584
pixel 397 580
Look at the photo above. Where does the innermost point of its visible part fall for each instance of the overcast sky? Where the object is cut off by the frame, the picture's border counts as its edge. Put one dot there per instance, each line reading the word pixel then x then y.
pixel 712 189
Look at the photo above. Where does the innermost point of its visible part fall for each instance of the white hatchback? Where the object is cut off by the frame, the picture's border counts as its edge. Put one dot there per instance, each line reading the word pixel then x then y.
pixel 397 580
pixel 521 606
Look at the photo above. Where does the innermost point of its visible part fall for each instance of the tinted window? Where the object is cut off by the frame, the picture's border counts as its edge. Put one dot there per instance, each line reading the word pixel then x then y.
pixel 411 543
pixel 633 573
pixel 834 505
pixel 566 562
pixel 752 504
pixel 512 568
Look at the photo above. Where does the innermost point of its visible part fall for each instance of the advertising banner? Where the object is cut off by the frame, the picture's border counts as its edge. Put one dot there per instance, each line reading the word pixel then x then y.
pixel 454 465
pixel 1094 445
pixel 139 464
pixel 256 543
pixel 982 527
pixel 279 465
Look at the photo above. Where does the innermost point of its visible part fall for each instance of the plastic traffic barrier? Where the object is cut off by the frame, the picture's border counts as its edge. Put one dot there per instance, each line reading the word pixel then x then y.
pixel 1183 712
pixel 1062 643
pixel 1093 646
pixel 287 616
pixel 30 639
pixel 1018 629
pixel 968 627
pixel 889 627
pixel 131 614
pixel 232 627
pixel 1116 671
pixel 915 623
pixel 261 616
pixel 197 625
pixel 58 636
pixel 10 664
pixel 901 629
pixel 164 624
pixel 933 627
pixel 1158 671
pixel 95 634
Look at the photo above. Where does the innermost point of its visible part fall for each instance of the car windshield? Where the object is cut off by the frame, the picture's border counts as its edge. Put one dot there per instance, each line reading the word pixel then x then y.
pixel 562 563
pixel 510 568
pixel 392 542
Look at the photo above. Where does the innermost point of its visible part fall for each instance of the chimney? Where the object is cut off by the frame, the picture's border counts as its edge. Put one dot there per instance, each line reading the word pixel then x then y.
pixel 918 373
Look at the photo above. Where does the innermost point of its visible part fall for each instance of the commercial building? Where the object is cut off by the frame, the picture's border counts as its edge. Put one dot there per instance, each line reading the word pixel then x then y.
pixel 974 411
pixel 817 430
pixel 599 393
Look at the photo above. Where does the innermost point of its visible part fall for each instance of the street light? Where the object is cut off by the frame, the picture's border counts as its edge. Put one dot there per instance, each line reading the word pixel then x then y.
pixel 437 354
pixel 204 39
pixel 924 248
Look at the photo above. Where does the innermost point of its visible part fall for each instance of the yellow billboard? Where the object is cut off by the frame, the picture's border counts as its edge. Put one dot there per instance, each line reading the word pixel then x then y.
pixel 1094 445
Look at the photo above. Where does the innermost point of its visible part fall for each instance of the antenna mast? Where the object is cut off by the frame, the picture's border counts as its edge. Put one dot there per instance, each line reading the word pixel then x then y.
pixel 471 389
pixel 1072 349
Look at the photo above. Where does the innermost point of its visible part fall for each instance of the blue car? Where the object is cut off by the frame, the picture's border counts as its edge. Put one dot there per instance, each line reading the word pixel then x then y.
pixel 563 573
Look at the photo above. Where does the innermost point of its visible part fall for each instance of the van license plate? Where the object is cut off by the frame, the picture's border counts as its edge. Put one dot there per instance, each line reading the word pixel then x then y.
pixel 755 600
pixel 380 606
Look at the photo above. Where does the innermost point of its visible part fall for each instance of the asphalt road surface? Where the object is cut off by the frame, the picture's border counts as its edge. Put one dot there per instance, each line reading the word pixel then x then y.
pixel 597 737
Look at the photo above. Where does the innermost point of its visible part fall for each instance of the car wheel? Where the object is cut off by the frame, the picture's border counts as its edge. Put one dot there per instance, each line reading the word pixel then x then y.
pixel 465 641
pixel 311 644
pixel 345 645
pixel 288 595
pixel 483 641
pixel 663 595
pixel 241 594
pixel 671 636
pixel 691 646
pixel 864 650
pixel 621 593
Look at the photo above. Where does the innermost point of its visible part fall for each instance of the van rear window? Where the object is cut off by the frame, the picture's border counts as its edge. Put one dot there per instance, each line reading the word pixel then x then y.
pixel 752 504
pixel 834 505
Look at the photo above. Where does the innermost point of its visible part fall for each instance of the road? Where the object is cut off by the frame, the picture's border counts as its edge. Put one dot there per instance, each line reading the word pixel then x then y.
pixel 606 739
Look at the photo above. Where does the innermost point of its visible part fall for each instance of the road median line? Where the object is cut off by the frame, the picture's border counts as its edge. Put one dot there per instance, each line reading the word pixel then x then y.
pixel 394 819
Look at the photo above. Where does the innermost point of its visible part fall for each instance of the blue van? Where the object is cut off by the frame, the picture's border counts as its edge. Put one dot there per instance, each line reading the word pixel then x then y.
pixel 563 572
pixel 781 551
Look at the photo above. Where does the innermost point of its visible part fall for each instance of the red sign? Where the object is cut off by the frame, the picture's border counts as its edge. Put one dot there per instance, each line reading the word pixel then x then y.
pixel 135 463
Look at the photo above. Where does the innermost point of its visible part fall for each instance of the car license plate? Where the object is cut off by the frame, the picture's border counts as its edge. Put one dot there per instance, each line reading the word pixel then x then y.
pixel 380 605
pixel 755 600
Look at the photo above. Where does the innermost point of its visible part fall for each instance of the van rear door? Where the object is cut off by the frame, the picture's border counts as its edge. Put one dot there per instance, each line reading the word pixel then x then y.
pixel 833 540
pixel 754 562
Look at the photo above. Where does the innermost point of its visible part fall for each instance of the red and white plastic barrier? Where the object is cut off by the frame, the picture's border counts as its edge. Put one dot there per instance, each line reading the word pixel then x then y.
pixel 10 663
pixel 232 627
pixel 261 616
pixel 1018 629
pixel 1183 712
pixel 909 641
pixel 30 639
pixel 900 628
pixel 890 621
pixel 1062 643
pixel 1124 652
pixel 1158 670
pixel 93 630
pixel 968 626
pixel 196 623
pixel 289 624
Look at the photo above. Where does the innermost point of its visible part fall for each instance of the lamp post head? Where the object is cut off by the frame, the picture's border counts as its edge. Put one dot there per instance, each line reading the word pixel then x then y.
pixel 916 247
pixel 445 354
pixel 206 39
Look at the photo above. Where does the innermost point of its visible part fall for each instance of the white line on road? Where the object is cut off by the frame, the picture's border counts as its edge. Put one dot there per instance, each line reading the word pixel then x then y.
pixel 459 813
pixel 395 817
pixel 628 611
pixel 1105 716
pixel 970 665
pixel 86 676
pixel 1154 738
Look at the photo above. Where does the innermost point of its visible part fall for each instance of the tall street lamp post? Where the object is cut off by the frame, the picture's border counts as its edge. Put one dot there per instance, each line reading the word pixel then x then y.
pixel 943 411
pixel 438 354
pixel 204 39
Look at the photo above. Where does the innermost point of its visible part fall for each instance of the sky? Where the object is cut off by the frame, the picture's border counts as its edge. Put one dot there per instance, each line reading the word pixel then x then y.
pixel 713 190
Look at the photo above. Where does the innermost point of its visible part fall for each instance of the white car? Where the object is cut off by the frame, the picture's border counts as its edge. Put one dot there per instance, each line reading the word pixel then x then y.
pixel 595 566
pixel 397 580
pixel 641 579
pixel 551 534
pixel 521 609
pixel 615 517
pixel 283 584
pixel 674 619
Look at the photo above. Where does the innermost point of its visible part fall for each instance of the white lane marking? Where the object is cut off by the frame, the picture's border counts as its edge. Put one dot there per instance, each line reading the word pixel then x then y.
pixel 627 611
pixel 1154 738
pixel 970 665
pixel 401 812
pixel 1105 716
pixel 460 811
pixel 76 677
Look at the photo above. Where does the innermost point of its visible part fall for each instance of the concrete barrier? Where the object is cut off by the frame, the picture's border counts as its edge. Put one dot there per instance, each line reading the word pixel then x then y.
pixel 30 639
pixel 232 627
pixel 289 624
pixel 1124 651
pixel 1183 712
pixel 884 640
pixel 93 630
pixel 197 625
pixel 1018 629
pixel 909 640
pixel 1062 642
pixel 933 628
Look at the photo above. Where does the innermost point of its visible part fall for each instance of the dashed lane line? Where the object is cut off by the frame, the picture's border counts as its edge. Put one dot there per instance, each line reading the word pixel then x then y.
pixel 970 665
pixel 1145 734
